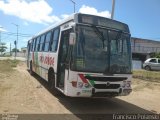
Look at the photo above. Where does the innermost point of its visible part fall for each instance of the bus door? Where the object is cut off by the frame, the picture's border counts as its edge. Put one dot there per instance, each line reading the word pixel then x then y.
pixel 63 58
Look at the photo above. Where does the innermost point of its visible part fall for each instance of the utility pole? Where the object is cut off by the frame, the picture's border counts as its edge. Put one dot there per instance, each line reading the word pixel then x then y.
pixel 74 5
pixel 0 35
pixel 16 41
pixel 10 49
pixel 113 6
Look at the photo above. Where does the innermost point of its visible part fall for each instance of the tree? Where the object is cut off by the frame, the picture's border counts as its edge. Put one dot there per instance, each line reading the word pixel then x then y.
pixel 155 55
pixel 14 49
pixel 2 47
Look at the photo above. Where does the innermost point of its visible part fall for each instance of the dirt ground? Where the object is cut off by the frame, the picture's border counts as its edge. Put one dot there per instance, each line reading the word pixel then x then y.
pixel 22 93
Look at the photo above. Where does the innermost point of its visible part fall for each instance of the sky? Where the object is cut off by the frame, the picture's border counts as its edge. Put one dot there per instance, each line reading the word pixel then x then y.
pixel 32 16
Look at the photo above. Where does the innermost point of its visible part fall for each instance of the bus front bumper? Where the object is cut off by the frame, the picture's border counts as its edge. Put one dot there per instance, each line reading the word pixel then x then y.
pixel 110 93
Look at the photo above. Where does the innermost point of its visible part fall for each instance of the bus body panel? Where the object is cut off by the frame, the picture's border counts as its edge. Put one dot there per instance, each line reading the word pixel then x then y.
pixel 84 87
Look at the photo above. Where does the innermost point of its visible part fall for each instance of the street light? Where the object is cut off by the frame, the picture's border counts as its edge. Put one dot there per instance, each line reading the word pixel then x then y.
pixel 16 42
pixel 74 5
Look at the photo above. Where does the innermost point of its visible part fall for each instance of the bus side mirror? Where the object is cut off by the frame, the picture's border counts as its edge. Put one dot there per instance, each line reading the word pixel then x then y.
pixel 72 39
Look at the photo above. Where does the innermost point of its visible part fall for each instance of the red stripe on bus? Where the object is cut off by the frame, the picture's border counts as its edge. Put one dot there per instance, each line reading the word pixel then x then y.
pixel 83 78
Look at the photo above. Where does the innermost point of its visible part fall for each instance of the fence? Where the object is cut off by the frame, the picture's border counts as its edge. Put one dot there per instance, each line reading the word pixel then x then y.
pixel 19 54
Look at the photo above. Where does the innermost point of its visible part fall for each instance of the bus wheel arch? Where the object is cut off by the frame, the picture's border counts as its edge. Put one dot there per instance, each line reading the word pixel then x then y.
pixel 51 81
pixel 51 78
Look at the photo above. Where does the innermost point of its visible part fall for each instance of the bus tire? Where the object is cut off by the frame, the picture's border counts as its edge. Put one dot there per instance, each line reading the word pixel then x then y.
pixel 30 69
pixel 51 82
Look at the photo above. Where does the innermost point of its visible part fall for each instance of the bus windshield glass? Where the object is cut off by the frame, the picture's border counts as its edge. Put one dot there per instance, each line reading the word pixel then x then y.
pixel 101 50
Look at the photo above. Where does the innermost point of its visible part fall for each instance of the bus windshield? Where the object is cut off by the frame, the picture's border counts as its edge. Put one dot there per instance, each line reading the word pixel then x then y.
pixel 101 50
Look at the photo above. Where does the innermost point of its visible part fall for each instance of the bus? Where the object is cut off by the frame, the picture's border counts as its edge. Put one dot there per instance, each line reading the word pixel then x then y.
pixel 83 56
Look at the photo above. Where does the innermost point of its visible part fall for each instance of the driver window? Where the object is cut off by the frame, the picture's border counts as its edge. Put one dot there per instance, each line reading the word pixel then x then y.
pixel 65 45
pixel 113 47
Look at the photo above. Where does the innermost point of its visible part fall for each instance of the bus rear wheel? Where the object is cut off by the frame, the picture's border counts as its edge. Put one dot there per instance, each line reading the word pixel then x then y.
pixel 30 69
pixel 51 82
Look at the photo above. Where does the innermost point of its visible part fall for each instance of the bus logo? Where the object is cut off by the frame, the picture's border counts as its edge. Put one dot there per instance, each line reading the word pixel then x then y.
pixel 47 60
pixel 107 84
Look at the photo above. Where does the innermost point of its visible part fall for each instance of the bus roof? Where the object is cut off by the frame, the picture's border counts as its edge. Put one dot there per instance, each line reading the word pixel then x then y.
pixel 71 17
pixel 76 16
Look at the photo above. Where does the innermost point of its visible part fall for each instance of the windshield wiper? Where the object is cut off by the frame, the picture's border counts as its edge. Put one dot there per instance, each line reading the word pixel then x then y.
pixel 99 33
pixel 118 35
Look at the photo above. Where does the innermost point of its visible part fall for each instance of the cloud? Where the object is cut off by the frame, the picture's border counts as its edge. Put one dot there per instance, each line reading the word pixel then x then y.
pixel 91 10
pixel 64 16
pixel 8 45
pixel 25 23
pixel 2 29
pixel 25 39
pixel 38 11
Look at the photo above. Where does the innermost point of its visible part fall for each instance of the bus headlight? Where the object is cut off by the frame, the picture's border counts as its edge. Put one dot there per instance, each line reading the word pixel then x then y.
pixel 126 84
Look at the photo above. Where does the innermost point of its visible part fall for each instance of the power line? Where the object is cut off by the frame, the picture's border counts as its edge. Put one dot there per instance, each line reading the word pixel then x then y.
pixel 74 3
pixel 20 33
pixel 14 34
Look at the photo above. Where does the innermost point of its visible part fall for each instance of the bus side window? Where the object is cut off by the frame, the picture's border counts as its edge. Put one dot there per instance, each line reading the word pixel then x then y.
pixel 34 45
pixel 37 44
pixel 38 49
pixel 42 42
pixel 47 41
pixel 54 42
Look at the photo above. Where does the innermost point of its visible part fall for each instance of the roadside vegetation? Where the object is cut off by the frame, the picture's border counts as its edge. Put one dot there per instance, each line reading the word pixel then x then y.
pixel 155 55
pixel 152 76
pixel 8 65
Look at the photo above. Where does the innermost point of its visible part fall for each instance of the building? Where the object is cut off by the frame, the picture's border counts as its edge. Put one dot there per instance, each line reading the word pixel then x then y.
pixel 142 49
pixel 21 53
pixel 24 49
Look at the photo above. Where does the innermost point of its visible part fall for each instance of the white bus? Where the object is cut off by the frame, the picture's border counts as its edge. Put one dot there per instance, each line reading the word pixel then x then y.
pixel 83 56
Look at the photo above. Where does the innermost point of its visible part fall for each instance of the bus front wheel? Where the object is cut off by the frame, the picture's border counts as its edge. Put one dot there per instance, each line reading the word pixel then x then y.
pixel 51 82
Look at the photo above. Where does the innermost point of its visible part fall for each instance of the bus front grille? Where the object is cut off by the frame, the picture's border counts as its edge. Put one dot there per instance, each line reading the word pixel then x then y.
pixel 111 79
pixel 105 86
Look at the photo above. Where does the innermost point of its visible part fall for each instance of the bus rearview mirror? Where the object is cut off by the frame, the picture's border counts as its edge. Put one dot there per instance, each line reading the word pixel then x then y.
pixel 72 39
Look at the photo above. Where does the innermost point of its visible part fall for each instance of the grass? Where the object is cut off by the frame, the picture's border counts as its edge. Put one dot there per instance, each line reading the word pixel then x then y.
pixel 8 65
pixel 147 75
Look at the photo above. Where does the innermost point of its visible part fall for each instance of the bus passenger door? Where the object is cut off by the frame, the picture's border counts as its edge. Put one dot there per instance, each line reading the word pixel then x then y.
pixel 63 58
